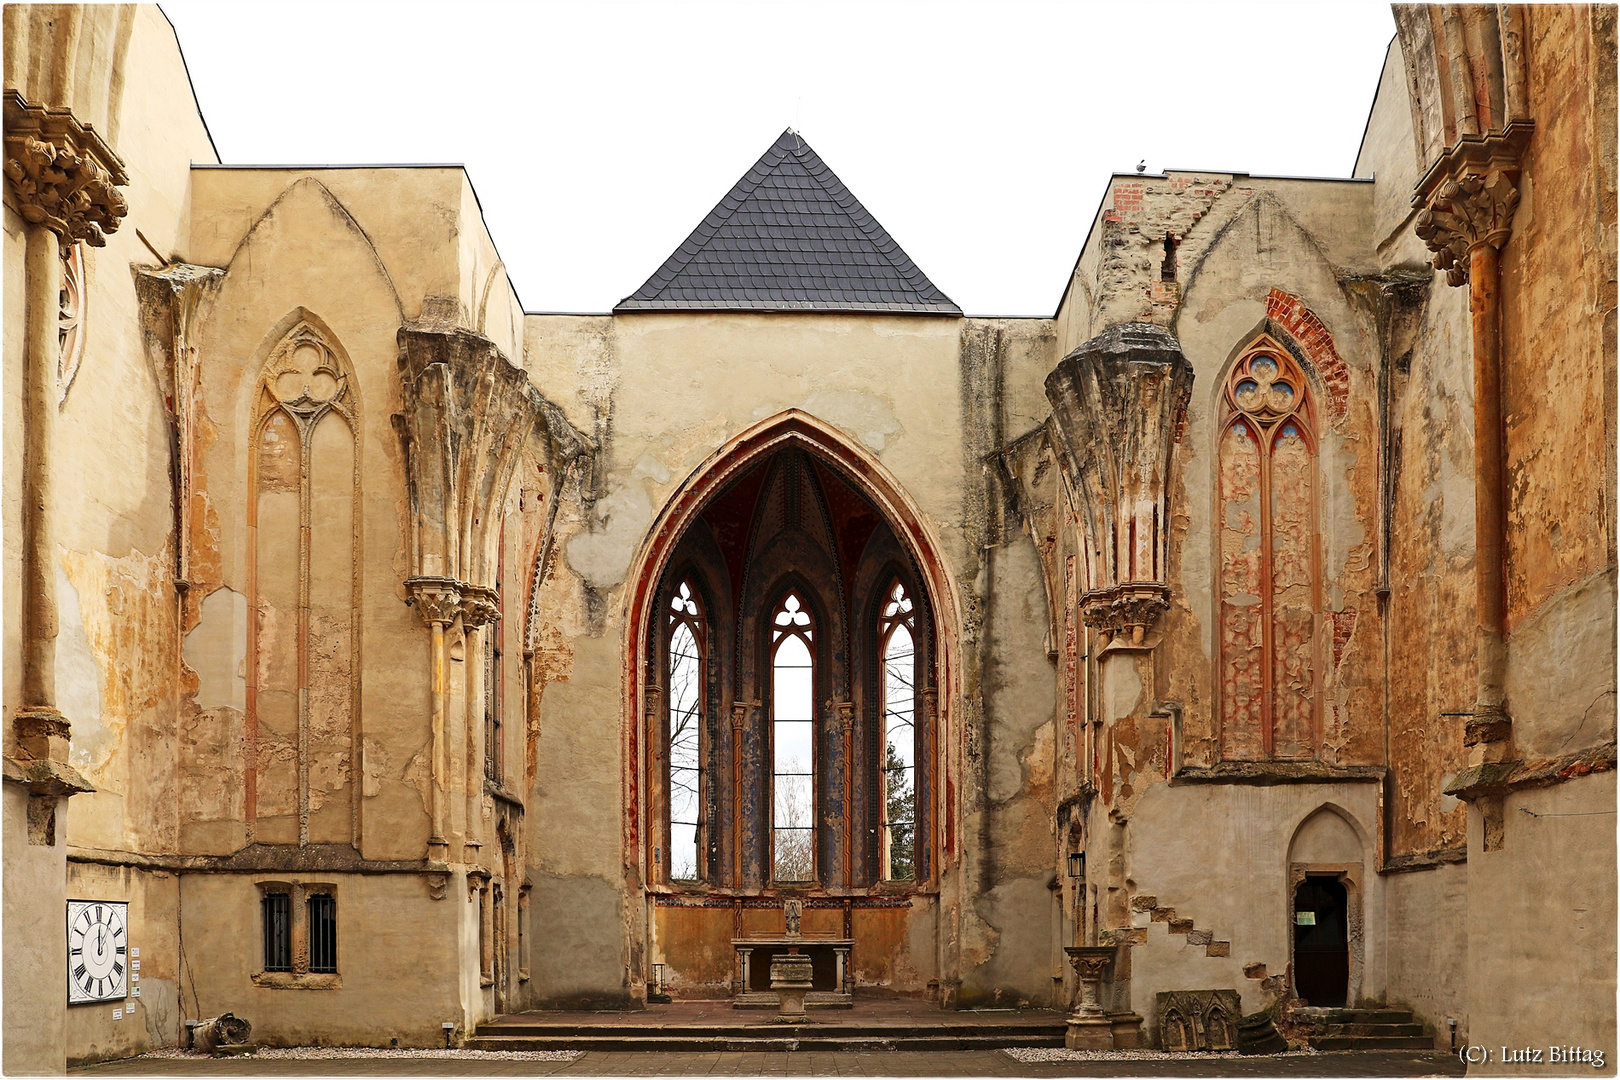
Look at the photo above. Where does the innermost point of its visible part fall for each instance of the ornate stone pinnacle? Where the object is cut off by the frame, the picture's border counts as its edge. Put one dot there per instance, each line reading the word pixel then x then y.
pixel 437 599
pixel 61 173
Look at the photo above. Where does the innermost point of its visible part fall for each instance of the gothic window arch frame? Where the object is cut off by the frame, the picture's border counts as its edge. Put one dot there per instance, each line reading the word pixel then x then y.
pixel 1268 542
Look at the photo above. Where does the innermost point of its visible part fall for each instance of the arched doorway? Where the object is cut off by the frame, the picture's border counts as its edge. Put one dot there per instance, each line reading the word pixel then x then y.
pixel 790 659
pixel 1322 941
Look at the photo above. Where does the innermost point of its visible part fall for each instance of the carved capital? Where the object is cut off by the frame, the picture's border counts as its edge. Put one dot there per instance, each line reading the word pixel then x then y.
pixel 846 715
pixel 739 715
pixel 436 599
pixel 61 174
pixel 1468 198
pixel 479 605
pixel 1132 608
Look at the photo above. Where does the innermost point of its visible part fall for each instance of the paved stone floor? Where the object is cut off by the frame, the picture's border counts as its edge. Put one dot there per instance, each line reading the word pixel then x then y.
pixel 896 1063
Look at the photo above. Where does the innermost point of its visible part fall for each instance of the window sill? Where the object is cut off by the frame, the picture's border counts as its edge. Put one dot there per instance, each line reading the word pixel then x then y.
pixel 292 980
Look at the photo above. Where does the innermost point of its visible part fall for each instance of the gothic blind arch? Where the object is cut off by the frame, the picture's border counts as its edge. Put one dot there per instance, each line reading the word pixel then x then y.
pixel 1268 561
pixel 304 528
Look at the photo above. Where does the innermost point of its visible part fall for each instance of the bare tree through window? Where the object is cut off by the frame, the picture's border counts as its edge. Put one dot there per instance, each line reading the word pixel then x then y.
pixel 899 697
pixel 685 725
pixel 792 743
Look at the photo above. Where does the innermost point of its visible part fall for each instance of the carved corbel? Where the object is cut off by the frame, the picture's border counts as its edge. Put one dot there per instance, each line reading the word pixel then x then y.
pixel 437 599
pixel 846 716
pixel 1117 404
pixel 480 606
pixel 1469 196
pixel 61 173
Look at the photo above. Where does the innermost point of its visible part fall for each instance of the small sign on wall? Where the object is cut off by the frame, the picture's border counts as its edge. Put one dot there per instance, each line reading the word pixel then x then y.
pixel 1304 918
pixel 118 1014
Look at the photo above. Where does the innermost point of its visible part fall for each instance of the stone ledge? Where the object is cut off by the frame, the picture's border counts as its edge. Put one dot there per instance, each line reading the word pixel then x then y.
pixel 46 777
pixel 1277 772
pixel 1501 777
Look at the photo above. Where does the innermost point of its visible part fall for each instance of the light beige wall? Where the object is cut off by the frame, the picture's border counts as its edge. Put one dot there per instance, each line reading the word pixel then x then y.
pixel 34 976
pixel 1426 932
pixel 155 1018
pixel 1541 966
pixel 1219 854
pixel 397 951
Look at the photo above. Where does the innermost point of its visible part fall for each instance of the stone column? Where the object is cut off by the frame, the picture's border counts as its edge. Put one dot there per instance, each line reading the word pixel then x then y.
pixel 478 609
pixel 1467 202
pixel 438 600
pixel 64 181
pixel 846 726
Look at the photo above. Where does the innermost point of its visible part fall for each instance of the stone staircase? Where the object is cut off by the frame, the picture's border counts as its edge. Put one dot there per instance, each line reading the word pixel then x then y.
pixel 1364 1029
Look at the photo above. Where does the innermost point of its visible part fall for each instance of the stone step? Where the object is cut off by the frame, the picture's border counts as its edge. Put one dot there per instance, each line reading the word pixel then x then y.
pixel 1358 1016
pixel 674 1040
pixel 821 1029
pixel 1371 1042
pixel 1371 1029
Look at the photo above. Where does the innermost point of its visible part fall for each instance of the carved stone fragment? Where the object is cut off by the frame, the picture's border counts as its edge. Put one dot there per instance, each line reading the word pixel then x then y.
pixel 62 174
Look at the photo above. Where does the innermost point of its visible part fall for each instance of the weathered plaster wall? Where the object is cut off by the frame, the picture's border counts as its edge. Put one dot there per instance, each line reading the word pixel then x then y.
pixel 34 897
pixel 1558 318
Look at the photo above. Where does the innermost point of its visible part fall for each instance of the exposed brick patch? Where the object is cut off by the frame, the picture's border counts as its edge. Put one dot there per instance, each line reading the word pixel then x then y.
pixel 1344 624
pixel 1290 312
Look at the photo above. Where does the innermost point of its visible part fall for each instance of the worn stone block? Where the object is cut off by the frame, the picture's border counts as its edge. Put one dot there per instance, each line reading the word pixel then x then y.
pixel 1200 937
pixel 1144 903
pixel 1219 948
pixel 1254 971
pixel 1180 926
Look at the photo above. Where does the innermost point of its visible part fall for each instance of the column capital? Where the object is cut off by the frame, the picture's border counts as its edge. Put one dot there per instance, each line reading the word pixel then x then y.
pixel 479 605
pixel 1468 197
pixel 61 173
pixel 436 599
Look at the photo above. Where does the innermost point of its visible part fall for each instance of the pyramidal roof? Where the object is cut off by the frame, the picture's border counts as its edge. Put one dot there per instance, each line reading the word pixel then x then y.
pixel 789 237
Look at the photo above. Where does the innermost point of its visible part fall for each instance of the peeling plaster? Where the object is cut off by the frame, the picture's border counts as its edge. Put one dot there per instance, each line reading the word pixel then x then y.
pixel 216 649
pixel 79 682
pixel 866 416
pixel 602 556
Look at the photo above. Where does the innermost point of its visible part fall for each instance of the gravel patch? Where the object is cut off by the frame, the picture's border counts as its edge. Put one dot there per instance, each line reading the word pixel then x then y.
pixel 321 1053
pixel 1030 1055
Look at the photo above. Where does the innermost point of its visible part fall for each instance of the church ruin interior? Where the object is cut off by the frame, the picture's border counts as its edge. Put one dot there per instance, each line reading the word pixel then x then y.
pixel 1232 651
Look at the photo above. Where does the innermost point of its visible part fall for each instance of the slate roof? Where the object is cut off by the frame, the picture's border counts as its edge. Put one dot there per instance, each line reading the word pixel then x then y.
pixel 789 237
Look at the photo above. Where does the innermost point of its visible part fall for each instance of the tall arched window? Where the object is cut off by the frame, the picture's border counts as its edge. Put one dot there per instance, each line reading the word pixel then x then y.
pixel 1268 564
pixel 793 761
pixel 685 727
pixel 898 693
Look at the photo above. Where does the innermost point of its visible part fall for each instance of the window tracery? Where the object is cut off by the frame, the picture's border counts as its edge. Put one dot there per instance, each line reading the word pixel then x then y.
pixel 792 742
pixel 898 693
pixel 685 734
pixel 1268 565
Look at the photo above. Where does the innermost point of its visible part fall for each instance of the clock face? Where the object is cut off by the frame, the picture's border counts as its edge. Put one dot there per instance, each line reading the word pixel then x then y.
pixel 98 950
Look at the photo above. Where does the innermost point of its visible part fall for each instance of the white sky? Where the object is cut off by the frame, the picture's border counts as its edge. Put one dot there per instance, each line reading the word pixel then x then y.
pixel 598 134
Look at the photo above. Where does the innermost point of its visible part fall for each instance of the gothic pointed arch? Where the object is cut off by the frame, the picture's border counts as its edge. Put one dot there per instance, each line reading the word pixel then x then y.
pixel 1268 554
pixel 791 508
